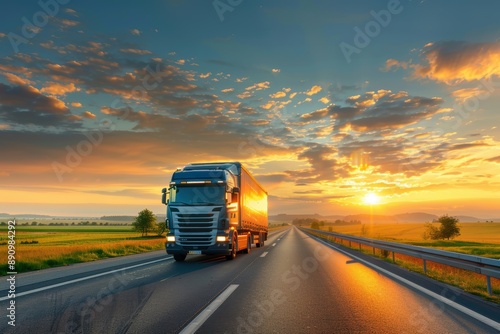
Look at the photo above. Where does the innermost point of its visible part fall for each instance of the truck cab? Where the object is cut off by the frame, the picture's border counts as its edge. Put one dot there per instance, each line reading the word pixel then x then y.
pixel 204 211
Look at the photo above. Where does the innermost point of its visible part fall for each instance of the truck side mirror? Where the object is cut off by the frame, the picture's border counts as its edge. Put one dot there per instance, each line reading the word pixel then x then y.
pixel 164 196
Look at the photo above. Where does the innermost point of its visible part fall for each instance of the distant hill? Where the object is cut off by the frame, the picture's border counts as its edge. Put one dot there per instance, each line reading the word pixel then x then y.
pixel 413 217
pixel 117 218
pixel 283 217
pixel 24 216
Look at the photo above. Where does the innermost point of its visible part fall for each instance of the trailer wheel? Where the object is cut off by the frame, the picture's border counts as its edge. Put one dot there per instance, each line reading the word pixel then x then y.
pixel 180 257
pixel 249 245
pixel 261 240
pixel 233 253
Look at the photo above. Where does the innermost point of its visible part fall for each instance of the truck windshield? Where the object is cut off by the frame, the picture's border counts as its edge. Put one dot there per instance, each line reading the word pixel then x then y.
pixel 198 194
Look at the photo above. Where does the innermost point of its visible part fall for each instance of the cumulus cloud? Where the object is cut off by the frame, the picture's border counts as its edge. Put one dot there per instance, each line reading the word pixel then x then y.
pixel 377 110
pixel 87 114
pixel 26 105
pixel 393 63
pixel 277 95
pixel 452 62
pixel 16 80
pixel 462 95
pixel 259 86
pixel 135 51
pixel 314 90
pixel 54 88
pixel 135 32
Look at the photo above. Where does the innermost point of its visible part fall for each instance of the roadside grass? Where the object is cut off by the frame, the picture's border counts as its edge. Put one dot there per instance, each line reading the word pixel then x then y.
pixel 40 247
pixel 480 239
pixel 468 281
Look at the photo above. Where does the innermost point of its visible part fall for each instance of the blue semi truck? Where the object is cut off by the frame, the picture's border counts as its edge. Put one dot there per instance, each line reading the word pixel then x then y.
pixel 214 208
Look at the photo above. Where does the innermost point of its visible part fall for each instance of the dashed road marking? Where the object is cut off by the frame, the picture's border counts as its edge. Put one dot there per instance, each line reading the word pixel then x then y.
pixel 209 310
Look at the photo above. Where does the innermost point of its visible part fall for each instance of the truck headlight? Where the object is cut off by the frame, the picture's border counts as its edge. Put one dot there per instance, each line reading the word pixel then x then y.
pixel 221 238
pixel 170 238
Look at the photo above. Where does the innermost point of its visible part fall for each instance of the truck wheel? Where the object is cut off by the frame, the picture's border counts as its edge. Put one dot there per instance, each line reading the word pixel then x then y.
pixel 233 253
pixel 261 241
pixel 180 257
pixel 249 245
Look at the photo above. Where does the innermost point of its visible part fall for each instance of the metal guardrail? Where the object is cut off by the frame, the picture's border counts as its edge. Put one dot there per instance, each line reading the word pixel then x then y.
pixel 478 264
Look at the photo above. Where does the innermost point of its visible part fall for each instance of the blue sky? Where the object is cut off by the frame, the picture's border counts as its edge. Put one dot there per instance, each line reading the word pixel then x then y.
pixel 325 101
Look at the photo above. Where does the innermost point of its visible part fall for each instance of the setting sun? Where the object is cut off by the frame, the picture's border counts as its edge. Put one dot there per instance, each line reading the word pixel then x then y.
pixel 371 199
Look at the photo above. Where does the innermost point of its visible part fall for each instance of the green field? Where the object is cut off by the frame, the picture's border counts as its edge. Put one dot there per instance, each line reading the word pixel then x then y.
pixel 68 241
pixel 39 247
pixel 481 239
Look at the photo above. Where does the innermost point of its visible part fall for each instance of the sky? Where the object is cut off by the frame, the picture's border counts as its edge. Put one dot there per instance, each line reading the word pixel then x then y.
pixel 336 107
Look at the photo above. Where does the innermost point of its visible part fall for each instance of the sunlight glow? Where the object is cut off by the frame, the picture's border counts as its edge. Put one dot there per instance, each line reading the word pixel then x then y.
pixel 371 199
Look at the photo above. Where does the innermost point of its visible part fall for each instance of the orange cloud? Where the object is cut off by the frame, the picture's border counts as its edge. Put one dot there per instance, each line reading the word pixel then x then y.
pixel 55 88
pixel 88 114
pixel 462 95
pixel 314 90
pixel 17 80
pixel 454 62
pixel 136 51
pixel 259 86
pixel 277 95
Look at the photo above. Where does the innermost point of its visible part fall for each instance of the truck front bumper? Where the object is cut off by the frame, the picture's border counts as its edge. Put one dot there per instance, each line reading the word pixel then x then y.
pixel 220 248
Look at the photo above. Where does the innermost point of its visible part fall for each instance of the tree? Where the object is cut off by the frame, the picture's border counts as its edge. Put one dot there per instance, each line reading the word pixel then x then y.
pixel 160 228
pixel 447 230
pixel 315 225
pixel 144 222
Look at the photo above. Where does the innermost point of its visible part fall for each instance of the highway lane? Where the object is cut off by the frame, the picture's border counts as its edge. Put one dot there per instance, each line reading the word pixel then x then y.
pixel 294 284
pixel 304 286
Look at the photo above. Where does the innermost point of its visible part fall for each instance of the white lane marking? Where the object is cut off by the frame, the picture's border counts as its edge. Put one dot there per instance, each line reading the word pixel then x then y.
pixel 209 310
pixel 274 244
pixel 264 254
pixel 456 306
pixel 82 279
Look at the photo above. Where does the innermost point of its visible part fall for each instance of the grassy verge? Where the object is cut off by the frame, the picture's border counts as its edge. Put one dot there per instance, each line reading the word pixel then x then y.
pixel 468 281
pixel 41 247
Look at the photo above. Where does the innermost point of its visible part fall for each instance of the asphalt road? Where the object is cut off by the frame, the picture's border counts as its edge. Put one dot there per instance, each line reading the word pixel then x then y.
pixel 295 284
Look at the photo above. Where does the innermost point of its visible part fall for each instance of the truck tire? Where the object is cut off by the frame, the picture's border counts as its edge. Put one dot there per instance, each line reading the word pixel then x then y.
pixel 249 245
pixel 233 253
pixel 261 240
pixel 180 257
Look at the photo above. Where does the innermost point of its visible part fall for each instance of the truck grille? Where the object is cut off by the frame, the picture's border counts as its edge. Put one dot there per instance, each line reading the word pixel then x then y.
pixel 195 229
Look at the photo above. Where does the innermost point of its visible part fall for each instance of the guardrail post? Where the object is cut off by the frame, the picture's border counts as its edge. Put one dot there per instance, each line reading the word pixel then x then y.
pixel 393 260
pixel 349 243
pixel 425 266
pixel 488 284
pixel 373 250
